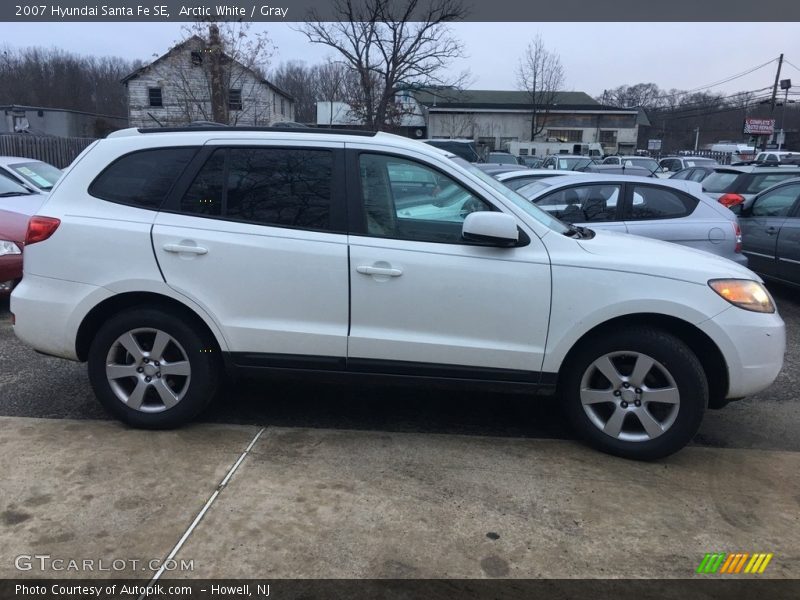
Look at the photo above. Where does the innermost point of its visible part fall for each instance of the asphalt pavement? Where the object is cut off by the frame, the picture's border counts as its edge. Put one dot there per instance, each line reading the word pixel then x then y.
pixel 32 385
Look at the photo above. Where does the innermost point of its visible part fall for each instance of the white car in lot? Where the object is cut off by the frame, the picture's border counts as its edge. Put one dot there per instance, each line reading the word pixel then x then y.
pixel 168 259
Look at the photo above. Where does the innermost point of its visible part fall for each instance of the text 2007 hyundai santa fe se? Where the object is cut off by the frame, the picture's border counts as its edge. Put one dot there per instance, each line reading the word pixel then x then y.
pixel 169 258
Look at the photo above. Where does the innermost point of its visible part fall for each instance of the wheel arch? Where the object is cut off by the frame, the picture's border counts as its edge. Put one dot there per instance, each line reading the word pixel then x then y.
pixel 94 319
pixel 706 350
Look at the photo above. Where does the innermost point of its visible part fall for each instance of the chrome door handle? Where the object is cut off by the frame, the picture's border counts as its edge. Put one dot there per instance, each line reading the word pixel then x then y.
pixel 187 249
pixel 379 271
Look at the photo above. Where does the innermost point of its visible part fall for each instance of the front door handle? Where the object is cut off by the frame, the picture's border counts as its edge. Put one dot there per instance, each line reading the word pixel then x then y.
pixel 388 271
pixel 184 248
pixel 772 230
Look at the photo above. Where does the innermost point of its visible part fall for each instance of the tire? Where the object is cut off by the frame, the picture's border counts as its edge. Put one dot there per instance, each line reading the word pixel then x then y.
pixel 651 409
pixel 147 386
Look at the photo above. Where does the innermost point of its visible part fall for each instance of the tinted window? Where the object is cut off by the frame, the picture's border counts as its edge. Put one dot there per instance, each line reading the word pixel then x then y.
pixel 685 174
pixel 583 204
pixel 143 178
pixel 720 182
pixel 698 175
pixel 407 200
pixel 777 203
pixel 651 202
pixel 762 181
pixel 267 186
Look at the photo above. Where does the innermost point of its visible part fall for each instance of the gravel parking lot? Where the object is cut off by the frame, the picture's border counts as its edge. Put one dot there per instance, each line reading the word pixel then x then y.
pixel 32 385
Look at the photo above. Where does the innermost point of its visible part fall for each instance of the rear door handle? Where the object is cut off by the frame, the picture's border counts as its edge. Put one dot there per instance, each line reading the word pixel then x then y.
pixel 379 271
pixel 183 248
pixel 772 230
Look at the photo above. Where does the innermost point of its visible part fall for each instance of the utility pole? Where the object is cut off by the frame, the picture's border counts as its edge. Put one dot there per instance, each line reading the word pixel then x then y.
pixel 774 97
pixel 696 138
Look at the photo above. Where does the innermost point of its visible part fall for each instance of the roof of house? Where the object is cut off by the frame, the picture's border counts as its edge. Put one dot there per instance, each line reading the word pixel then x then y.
pixel 198 39
pixel 504 99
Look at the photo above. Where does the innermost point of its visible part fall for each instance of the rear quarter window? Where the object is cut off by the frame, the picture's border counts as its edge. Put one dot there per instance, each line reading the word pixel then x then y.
pixel 142 178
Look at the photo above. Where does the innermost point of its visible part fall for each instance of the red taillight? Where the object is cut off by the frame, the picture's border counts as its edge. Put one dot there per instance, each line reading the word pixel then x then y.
pixel 737 235
pixel 40 228
pixel 730 200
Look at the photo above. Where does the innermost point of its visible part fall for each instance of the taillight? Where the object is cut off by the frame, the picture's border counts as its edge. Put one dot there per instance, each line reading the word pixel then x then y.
pixel 40 228
pixel 731 200
pixel 737 235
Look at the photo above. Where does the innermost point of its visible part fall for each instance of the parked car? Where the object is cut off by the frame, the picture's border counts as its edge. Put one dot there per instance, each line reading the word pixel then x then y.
pixel 566 162
pixel 673 164
pixel 673 211
pixel 495 169
pixel 775 157
pixel 531 162
pixel 617 170
pixel 643 162
pixel 518 178
pixel 262 252
pixel 464 148
pixel 17 204
pixel 771 232
pixel 696 174
pixel 732 186
pixel 37 175
pixel 501 158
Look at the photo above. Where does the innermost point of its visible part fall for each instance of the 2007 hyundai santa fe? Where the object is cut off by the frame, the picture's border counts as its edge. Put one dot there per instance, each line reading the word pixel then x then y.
pixel 169 258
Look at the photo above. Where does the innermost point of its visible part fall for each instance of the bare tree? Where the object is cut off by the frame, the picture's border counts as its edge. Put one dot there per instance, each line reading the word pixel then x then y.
pixel 300 82
pixel 390 45
pixel 541 75
pixel 229 58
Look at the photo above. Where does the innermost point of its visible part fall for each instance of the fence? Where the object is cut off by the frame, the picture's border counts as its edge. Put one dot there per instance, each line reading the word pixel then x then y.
pixel 58 151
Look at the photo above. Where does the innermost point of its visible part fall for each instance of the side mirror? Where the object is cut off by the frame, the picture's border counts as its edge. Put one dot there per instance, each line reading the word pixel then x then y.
pixel 495 228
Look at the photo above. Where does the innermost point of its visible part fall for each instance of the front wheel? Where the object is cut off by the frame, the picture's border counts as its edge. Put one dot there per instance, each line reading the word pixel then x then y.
pixel 151 369
pixel 638 393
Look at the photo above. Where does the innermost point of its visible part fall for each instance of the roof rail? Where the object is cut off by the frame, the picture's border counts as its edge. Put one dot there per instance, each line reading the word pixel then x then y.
pixel 219 128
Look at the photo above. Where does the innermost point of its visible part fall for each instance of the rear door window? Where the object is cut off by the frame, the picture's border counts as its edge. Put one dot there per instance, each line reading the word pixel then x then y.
pixel 651 202
pixel 282 187
pixel 777 203
pixel 583 204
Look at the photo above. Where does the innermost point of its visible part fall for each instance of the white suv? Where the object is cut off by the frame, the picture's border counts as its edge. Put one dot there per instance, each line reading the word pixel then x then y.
pixel 169 259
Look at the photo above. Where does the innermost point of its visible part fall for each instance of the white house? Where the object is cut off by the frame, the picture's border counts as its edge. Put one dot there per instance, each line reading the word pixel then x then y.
pixel 175 89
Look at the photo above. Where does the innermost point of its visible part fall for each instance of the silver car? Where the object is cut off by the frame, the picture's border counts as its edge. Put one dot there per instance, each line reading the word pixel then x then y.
pixel 664 209
pixel 35 175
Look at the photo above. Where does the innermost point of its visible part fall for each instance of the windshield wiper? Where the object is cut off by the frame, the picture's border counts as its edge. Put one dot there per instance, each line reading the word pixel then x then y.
pixel 9 194
pixel 579 232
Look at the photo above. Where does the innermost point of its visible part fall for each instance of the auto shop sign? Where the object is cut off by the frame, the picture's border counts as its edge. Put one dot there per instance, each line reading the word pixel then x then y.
pixel 759 126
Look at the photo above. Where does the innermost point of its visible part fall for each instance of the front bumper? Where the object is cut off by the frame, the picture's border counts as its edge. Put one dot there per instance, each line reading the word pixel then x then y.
pixel 753 345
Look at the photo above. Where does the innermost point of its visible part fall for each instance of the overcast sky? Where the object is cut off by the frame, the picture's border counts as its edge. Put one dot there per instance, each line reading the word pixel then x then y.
pixel 595 56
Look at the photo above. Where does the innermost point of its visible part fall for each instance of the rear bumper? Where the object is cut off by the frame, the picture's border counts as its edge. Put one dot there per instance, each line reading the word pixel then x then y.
pixel 49 311
pixel 753 345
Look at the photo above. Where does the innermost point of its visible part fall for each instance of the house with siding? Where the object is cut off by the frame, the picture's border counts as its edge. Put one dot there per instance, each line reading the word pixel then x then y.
pixel 493 118
pixel 177 89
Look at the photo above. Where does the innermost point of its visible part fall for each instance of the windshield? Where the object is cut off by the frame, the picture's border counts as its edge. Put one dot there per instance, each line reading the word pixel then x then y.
pixel 529 208
pixel 40 174
pixel 12 188
pixel 502 159
pixel 573 163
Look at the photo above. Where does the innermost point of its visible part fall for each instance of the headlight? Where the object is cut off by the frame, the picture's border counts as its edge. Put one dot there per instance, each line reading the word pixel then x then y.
pixel 744 293
pixel 7 247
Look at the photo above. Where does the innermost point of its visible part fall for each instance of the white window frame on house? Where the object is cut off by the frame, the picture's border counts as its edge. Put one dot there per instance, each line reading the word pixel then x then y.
pixel 150 91
pixel 567 135
pixel 233 103
pixel 615 133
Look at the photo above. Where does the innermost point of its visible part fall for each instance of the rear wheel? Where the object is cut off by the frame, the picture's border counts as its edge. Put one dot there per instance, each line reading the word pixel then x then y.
pixel 151 369
pixel 638 393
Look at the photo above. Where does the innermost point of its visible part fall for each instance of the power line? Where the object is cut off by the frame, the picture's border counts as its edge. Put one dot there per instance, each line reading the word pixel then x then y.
pixel 790 64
